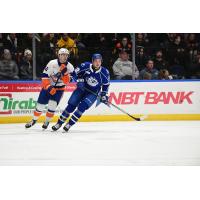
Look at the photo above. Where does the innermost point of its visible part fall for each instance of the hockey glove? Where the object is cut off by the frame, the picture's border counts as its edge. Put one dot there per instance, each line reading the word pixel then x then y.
pixel 61 74
pixel 104 98
pixel 51 90
pixel 63 69
pixel 81 84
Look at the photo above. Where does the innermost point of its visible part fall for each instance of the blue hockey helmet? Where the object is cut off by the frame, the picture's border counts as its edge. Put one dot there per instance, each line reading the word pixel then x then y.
pixel 97 56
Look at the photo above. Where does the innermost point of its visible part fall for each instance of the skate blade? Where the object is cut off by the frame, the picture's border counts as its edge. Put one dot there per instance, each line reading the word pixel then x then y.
pixel 64 131
pixel 52 131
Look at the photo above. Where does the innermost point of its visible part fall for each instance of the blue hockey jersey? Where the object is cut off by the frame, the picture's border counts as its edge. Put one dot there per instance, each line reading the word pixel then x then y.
pixel 94 80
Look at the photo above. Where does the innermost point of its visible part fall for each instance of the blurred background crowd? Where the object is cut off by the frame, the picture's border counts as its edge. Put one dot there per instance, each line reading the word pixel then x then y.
pixel 141 56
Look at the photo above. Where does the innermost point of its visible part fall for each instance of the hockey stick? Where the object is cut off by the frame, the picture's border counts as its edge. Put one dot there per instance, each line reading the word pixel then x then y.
pixel 120 109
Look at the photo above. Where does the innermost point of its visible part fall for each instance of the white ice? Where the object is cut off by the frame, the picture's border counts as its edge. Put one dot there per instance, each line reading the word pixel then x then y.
pixel 103 143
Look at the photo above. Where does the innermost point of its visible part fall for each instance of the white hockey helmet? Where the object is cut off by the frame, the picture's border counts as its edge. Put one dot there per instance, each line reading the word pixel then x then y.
pixel 63 51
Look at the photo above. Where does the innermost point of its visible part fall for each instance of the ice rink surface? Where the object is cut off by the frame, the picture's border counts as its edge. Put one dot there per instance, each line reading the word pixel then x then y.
pixel 103 143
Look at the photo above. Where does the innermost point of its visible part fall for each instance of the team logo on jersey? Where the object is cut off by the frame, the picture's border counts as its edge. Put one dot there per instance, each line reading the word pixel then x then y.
pixel 92 81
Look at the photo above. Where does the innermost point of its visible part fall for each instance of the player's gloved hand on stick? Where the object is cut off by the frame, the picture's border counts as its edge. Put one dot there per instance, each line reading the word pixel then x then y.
pixel 81 84
pixel 104 97
pixel 62 71
pixel 51 90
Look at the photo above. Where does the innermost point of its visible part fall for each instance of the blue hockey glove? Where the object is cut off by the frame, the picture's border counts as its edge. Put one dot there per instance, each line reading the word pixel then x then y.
pixel 80 84
pixel 104 98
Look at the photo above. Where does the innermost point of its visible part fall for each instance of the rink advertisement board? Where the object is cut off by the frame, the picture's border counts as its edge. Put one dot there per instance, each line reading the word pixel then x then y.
pixel 160 100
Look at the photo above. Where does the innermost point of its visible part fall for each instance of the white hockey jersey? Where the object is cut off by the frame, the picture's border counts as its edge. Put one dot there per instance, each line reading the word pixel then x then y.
pixel 52 69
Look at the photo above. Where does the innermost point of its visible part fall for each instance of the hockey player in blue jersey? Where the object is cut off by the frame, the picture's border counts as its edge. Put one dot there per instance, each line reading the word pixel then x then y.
pixel 90 77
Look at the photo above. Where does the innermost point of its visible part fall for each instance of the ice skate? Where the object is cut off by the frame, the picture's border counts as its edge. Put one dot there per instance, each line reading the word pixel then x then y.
pixel 56 127
pixel 31 123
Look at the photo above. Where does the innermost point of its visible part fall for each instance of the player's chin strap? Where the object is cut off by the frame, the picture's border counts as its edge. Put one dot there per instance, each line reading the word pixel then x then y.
pixel 110 103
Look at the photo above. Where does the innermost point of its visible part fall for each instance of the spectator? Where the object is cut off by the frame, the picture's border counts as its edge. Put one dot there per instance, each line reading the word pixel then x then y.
pixel 11 43
pixel 91 40
pixel 66 42
pixel 1 43
pixel 77 39
pixel 194 70
pixel 171 37
pixel 164 75
pixel 140 57
pixel 8 67
pixel 47 50
pixel 169 40
pixel 150 69
pixel 177 50
pixel 28 40
pixel 192 42
pixel 192 47
pixel 94 40
pixel 48 43
pixel 123 45
pixel 25 66
pixel 106 40
pixel 177 70
pixel 140 40
pixel 123 68
pixel 147 76
pixel 159 62
pixel 155 41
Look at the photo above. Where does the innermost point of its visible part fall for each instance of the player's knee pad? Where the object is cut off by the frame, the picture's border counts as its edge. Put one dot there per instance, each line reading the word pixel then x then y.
pixel 70 108
pixel 52 105
pixel 83 106
pixel 40 107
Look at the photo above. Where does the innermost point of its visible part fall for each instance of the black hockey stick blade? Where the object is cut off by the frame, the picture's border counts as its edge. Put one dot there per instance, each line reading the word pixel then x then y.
pixel 135 118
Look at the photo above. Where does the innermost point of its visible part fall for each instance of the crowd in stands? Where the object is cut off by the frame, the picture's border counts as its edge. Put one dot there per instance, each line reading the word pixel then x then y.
pixel 157 56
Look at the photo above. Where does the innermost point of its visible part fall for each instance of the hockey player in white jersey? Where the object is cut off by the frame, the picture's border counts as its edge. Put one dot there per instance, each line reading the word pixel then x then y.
pixel 54 78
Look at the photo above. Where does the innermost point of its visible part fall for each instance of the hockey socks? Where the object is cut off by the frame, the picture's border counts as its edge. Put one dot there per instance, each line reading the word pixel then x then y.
pixel 63 117
pixel 75 117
